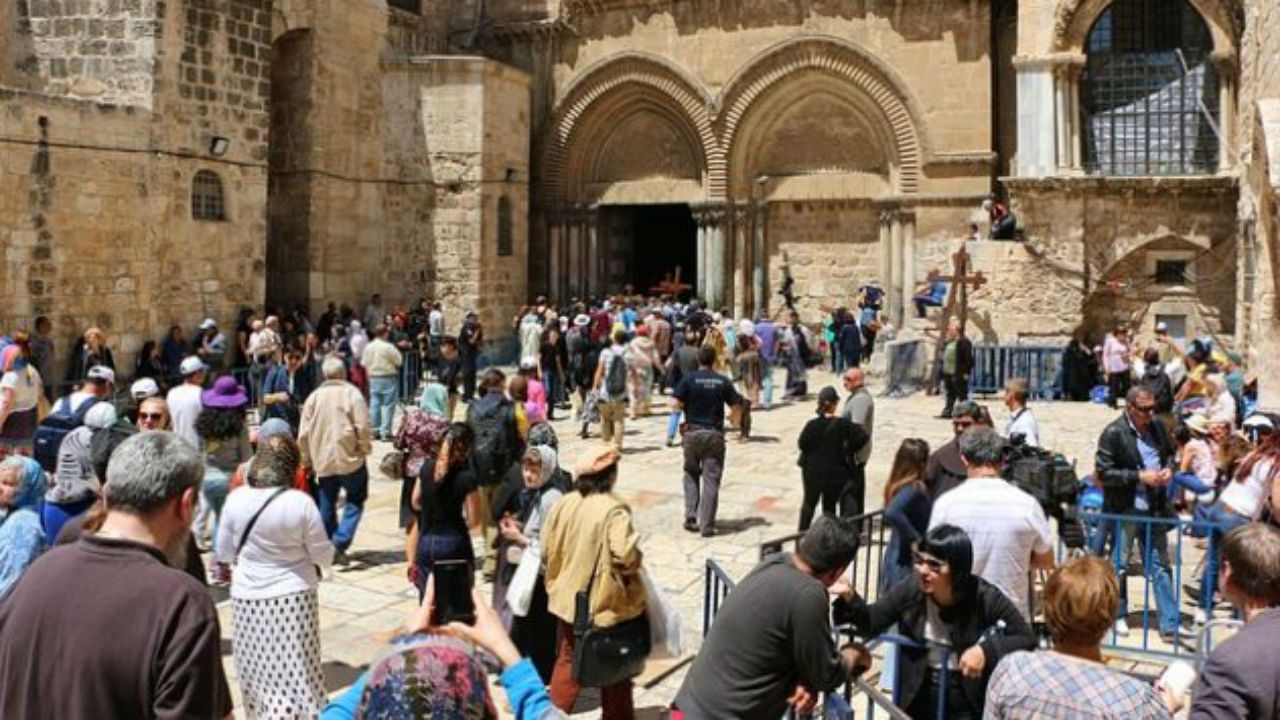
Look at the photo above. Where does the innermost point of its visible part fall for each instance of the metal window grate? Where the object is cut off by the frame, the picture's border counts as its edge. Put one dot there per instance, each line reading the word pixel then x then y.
pixel 1149 92
pixel 1171 272
pixel 413 6
pixel 207 199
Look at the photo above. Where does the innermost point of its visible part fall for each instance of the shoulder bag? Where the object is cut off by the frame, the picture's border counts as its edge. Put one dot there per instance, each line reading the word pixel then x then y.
pixel 607 656
pixel 248 528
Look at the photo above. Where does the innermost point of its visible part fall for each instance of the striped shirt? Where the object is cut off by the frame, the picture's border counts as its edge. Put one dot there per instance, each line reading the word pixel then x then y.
pixel 1041 685
pixel 1005 525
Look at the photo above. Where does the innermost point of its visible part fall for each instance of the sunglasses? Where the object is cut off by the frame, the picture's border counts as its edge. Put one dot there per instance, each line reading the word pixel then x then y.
pixel 151 416
pixel 1144 409
pixel 934 564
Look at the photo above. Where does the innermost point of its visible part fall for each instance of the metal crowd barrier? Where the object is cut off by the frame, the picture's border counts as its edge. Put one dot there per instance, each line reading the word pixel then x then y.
pixel 716 585
pixel 1040 366
pixel 872 539
pixel 410 377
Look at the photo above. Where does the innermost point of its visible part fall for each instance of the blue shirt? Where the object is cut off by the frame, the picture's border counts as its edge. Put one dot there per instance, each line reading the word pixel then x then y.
pixel 1150 461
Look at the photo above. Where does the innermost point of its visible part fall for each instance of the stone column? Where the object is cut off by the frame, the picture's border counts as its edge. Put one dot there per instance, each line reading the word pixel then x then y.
pixel 1036 146
pixel 716 259
pixel 759 259
pixel 1224 65
pixel 741 255
pixel 891 240
pixel 554 271
pixel 573 231
pixel 1062 118
pixel 703 273
pixel 1077 120
pixel 907 222
pixel 595 258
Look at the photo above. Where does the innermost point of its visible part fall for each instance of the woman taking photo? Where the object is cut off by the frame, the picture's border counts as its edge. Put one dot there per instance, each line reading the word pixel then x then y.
pixel 520 524
pixel 276 540
pixel 420 437
pixel 963 626
pixel 438 499
pixel 590 545
pixel 827 446
pixel 906 509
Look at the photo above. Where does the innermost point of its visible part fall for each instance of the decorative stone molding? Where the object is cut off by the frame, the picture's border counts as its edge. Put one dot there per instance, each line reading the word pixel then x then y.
pixel 1073 19
pixel 848 62
pixel 616 81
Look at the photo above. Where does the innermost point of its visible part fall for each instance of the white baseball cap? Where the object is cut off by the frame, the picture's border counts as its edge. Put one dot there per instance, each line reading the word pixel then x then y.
pixel 102 373
pixel 144 388
pixel 208 323
pixel 191 365
pixel 1162 326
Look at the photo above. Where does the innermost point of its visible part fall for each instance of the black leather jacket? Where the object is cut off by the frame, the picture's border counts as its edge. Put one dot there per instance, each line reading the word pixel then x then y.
pixel 1118 462
pixel 966 622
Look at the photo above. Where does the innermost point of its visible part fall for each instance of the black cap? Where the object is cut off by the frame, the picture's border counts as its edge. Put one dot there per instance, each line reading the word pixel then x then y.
pixel 828 394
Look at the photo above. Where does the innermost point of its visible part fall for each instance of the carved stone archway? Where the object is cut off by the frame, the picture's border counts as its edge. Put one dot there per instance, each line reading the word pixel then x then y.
pixel 869 79
pixel 1074 18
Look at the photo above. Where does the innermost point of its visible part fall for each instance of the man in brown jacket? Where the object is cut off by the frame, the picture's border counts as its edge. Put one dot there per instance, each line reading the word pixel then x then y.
pixel 335 439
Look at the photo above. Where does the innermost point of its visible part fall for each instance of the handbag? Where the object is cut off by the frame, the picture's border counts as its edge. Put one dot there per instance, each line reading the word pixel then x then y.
pixel 520 589
pixel 666 637
pixel 392 465
pixel 610 655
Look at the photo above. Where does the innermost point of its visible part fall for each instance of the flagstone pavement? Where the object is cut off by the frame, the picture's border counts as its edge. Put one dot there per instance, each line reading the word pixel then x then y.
pixel 363 604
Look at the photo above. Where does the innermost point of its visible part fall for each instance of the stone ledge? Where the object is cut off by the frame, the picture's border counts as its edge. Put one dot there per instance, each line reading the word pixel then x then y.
pixel 1145 183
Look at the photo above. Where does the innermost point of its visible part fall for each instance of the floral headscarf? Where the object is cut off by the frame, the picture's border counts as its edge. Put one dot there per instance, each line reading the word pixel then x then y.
pixel 31 482
pixel 426 676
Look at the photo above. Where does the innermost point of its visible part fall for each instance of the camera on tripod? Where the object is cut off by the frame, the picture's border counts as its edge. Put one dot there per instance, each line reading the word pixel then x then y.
pixel 1050 479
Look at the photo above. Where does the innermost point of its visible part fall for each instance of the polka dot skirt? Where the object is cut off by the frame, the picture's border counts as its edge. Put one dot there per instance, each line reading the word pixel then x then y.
pixel 277 655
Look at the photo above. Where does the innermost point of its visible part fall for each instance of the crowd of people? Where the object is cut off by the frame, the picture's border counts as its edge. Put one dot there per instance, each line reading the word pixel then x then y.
pixel 267 470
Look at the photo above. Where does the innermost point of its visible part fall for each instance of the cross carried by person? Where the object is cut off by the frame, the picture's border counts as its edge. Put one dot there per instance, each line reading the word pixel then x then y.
pixel 671 285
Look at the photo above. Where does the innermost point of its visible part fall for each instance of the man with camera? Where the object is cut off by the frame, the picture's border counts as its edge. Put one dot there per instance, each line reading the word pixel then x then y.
pixel 1008 528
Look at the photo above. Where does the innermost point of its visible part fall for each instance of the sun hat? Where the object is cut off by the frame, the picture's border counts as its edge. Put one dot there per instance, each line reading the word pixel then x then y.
pixel 1197 423
pixel 226 394
pixel 596 461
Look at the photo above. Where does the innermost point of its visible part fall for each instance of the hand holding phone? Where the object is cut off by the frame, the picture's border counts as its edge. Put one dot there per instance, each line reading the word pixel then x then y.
pixel 453 601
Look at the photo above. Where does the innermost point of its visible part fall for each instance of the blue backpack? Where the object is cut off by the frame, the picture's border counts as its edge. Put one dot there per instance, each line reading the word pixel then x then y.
pixel 51 430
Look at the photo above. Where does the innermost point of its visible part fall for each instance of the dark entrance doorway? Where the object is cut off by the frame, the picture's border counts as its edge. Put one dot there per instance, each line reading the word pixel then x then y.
pixel 656 239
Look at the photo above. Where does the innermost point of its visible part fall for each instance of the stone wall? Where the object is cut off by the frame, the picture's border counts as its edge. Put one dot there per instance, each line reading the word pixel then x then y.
pixel 832 248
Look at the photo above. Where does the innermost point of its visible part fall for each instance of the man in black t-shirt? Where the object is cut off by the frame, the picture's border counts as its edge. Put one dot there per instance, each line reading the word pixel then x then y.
pixel 702 395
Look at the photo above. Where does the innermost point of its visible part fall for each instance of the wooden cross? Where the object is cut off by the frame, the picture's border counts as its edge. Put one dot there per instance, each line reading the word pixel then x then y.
pixel 960 279
pixel 671 285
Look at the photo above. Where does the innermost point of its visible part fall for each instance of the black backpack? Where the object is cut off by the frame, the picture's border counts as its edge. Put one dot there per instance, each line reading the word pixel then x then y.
pixel 493 450
pixel 51 430
pixel 615 381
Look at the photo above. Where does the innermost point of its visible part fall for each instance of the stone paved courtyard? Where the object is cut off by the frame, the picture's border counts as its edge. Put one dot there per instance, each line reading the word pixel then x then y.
pixel 363 604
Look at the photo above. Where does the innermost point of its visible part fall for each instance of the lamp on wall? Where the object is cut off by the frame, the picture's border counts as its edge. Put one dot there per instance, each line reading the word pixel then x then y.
pixel 218 146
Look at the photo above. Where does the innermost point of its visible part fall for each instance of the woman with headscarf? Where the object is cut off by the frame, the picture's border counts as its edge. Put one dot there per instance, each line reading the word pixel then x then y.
pixel 520 523
pixel 75 486
pixel 640 371
pixel 421 435
pixel 435 672
pixel 275 538
pixel 22 539
pixel 20 395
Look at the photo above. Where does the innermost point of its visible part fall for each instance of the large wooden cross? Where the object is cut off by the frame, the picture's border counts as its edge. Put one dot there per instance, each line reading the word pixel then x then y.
pixel 671 285
pixel 960 280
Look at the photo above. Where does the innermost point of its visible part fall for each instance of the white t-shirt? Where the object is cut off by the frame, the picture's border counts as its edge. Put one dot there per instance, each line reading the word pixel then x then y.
pixel 1023 422
pixel 184 408
pixel 282 551
pixel 435 322
pixel 1248 496
pixel 26 385
pixel 1005 525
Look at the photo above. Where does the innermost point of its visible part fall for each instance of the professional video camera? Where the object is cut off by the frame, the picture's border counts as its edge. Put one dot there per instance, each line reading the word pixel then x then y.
pixel 1051 480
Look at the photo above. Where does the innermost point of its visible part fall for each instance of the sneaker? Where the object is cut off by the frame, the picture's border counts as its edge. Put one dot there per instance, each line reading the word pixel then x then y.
pixel 1122 627
pixel 691 525
pixel 1200 617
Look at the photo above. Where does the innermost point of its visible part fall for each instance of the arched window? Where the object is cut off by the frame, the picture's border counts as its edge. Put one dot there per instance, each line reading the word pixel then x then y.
pixel 506 239
pixel 1149 93
pixel 207 200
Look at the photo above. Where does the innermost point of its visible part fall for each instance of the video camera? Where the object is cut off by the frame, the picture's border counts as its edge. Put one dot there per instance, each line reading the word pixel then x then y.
pixel 1051 480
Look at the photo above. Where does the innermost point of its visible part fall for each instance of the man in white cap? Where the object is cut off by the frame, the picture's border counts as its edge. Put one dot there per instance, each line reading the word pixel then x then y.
pixel 143 389
pixel 212 344
pixel 184 400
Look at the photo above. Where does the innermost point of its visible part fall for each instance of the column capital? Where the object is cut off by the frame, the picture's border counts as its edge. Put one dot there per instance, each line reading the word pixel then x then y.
pixel 1225 63
pixel 889 216
pixel 906 216
pixel 710 214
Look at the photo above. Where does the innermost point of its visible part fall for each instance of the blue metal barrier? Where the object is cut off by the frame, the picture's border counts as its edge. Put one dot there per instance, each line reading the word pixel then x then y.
pixel 872 540
pixel 716 585
pixel 1040 366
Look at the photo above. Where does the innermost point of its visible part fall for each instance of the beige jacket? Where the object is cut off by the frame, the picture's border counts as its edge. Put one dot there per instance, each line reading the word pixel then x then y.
pixel 381 358
pixel 334 434
pixel 573 544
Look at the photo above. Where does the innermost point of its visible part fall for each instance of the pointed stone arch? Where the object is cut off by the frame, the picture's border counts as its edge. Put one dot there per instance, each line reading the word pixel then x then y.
pixel 877 87
pixel 1073 19
pixel 606 95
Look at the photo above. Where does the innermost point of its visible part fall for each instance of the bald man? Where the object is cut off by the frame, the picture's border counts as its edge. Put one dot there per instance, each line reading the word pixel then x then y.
pixel 860 409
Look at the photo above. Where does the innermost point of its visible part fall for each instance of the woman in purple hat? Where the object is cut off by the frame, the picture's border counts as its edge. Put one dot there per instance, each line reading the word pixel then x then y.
pixel 224 438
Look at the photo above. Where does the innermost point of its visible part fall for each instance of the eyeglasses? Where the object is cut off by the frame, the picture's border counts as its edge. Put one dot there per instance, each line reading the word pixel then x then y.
pixel 932 563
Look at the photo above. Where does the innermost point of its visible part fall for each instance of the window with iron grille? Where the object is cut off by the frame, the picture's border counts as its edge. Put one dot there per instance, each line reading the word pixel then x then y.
pixel 207 200
pixel 506 239
pixel 413 6
pixel 1149 93
pixel 1171 272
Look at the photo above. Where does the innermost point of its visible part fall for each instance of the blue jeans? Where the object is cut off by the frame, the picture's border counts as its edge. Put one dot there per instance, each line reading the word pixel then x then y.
pixel 673 424
pixel 356 485
pixel 214 489
pixel 1220 521
pixel 1188 481
pixel 434 548
pixel 1155 563
pixel 382 403
pixel 766 367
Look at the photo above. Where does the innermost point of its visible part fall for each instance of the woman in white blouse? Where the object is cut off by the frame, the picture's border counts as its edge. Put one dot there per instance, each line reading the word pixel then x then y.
pixel 276 540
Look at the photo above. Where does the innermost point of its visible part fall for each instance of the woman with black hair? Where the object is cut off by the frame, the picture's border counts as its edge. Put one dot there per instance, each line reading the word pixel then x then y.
pixel 224 438
pixel 439 499
pixel 961 626
pixel 150 362
pixel 827 446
